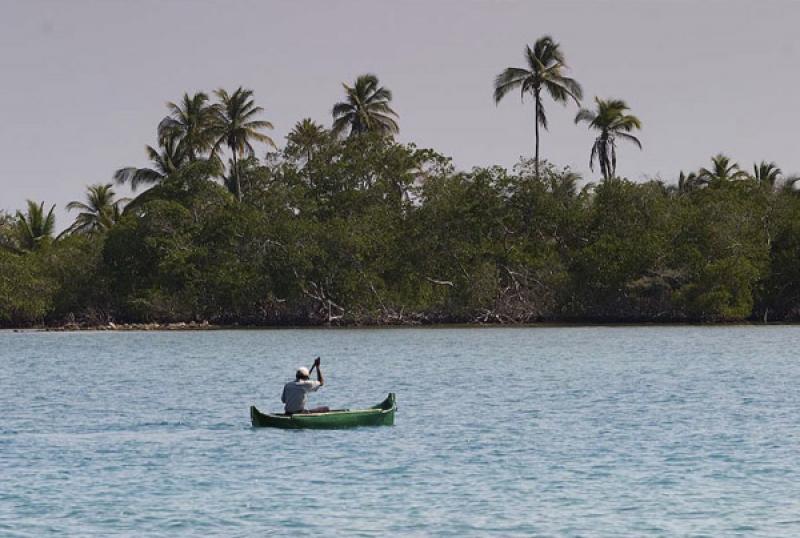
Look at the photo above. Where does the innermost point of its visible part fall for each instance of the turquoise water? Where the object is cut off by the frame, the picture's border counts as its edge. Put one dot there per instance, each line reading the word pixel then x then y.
pixel 547 431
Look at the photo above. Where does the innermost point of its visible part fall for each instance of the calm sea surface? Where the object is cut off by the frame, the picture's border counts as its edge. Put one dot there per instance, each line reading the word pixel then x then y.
pixel 690 431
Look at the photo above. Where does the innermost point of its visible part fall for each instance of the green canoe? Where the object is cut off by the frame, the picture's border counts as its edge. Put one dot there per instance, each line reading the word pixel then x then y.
pixel 377 415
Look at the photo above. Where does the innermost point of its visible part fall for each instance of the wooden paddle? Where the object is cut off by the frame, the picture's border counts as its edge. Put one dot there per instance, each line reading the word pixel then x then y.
pixel 310 370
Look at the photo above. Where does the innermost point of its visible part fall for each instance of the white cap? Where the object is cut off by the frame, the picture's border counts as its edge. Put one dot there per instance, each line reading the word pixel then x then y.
pixel 303 371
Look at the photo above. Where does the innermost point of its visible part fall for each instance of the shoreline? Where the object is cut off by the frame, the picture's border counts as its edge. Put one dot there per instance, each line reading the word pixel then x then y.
pixel 206 326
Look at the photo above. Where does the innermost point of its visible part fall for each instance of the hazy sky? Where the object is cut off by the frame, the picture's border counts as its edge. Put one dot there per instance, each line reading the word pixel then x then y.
pixel 84 82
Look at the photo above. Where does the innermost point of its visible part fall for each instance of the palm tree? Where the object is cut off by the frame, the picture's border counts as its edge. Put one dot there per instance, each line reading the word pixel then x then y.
pixel 166 160
pixel 99 212
pixel 791 185
pixel 191 120
pixel 35 227
pixel 563 186
pixel 306 136
pixel 767 174
pixel 611 120
pixel 235 126
pixel 687 182
pixel 721 171
pixel 245 170
pixel 544 73
pixel 365 109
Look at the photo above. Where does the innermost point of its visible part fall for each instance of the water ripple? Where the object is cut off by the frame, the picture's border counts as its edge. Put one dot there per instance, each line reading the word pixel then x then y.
pixel 689 431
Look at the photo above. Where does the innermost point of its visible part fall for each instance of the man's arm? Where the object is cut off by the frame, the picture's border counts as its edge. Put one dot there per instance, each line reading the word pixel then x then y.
pixel 319 373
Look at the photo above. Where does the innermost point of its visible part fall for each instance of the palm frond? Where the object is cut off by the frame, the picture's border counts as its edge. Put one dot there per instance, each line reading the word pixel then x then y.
pixel 365 108
pixel 593 155
pixel 630 138
pixel 541 116
pixel 510 79
pixel 585 115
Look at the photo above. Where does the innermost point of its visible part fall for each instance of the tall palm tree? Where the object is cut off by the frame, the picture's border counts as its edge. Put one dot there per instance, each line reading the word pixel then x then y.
pixel 166 160
pixel 365 109
pixel 99 212
pixel 722 170
pixel 767 174
pixel 544 73
pixel 236 127
pixel 191 120
pixel 305 137
pixel 35 227
pixel 612 121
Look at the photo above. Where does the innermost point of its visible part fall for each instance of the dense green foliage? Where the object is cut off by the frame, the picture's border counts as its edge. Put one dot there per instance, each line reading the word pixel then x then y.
pixel 363 229
pixel 368 230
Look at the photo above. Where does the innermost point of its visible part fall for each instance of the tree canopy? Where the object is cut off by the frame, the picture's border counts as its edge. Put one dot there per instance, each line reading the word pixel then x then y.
pixel 364 229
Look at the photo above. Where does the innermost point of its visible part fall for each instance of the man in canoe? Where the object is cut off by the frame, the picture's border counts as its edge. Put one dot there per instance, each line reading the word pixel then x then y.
pixel 294 392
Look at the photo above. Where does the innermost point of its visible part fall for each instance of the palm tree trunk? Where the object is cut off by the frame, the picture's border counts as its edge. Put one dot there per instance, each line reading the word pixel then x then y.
pixel 613 158
pixel 236 176
pixel 537 107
